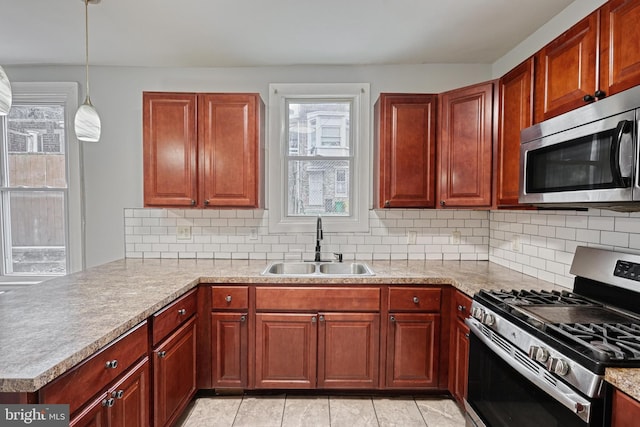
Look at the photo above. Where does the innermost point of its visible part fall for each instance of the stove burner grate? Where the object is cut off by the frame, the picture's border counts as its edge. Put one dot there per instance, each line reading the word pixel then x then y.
pixel 532 297
pixel 606 342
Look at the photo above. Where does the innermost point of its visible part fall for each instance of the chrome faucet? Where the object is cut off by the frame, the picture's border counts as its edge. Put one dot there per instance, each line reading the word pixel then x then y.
pixel 318 238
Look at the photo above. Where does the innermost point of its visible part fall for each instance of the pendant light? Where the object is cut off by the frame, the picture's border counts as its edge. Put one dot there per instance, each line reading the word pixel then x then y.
pixel 87 121
pixel 5 93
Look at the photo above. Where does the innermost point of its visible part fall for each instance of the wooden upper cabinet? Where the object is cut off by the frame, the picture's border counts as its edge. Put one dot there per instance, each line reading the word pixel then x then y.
pixel 170 149
pixel 465 147
pixel 405 137
pixel 203 150
pixel 229 132
pixel 516 113
pixel 619 46
pixel 597 57
pixel 566 69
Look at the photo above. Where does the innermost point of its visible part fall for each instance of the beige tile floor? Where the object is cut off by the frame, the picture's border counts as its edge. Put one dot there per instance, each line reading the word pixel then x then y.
pixel 319 411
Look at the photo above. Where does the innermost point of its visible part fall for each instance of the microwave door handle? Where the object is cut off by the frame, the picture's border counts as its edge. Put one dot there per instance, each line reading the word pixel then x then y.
pixel 614 158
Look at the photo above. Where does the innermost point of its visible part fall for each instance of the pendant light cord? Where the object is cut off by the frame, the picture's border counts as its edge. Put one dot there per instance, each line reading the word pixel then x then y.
pixel 86 44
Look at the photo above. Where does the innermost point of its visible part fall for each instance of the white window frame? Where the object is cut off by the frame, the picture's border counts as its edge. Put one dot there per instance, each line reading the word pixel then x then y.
pixel 359 180
pixel 56 93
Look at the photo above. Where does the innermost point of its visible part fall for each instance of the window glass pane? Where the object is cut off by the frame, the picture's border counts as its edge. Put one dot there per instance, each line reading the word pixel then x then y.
pixel 312 187
pixel 37 232
pixel 35 146
pixel 319 129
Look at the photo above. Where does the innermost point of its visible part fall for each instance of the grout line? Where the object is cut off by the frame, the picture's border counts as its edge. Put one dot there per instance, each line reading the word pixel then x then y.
pixel 420 412
pixel 374 410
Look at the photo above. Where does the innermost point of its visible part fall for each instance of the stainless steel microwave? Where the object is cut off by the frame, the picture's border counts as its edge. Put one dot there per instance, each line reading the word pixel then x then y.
pixel 588 157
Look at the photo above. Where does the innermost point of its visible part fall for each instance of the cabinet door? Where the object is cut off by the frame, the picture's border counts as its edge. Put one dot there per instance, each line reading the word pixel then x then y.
pixel 170 149
pixel 348 350
pixel 229 341
pixel 93 415
pixel 229 138
pixel 620 50
pixel 413 350
pixel 466 147
pixel 131 398
pixel 625 410
pixel 516 113
pixel 566 69
pixel 459 361
pixel 174 373
pixel 406 150
pixel 286 349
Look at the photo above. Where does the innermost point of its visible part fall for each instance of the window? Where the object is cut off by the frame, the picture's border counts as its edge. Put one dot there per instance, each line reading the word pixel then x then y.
pixel 319 147
pixel 39 175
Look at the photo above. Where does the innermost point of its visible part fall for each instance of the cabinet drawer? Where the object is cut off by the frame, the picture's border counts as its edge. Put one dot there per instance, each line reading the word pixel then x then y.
pixel 230 297
pixel 414 299
pixel 318 298
pixel 174 315
pixel 461 305
pixel 94 374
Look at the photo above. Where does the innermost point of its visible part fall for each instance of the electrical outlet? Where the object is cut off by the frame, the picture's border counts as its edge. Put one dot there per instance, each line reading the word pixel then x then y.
pixel 411 237
pixel 183 232
pixel 253 234
pixel 455 237
pixel 515 243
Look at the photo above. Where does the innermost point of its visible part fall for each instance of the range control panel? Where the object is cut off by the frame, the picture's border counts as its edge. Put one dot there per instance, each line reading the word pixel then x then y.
pixel 627 270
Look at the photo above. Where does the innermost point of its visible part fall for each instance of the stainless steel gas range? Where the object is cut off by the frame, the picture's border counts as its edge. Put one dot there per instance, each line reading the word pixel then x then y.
pixel 538 358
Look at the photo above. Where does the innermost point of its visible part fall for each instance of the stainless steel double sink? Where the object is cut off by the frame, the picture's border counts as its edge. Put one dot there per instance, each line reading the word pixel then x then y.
pixel 317 269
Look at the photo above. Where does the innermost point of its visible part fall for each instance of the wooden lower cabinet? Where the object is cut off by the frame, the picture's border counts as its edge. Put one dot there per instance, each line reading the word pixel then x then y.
pixel 126 403
pixel 625 410
pixel 325 350
pixel 229 345
pixel 459 347
pixel 412 350
pixel 286 349
pixel 348 349
pixel 174 370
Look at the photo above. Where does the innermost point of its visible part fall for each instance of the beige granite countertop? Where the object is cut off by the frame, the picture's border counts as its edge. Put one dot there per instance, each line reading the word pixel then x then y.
pixel 48 328
pixel 625 379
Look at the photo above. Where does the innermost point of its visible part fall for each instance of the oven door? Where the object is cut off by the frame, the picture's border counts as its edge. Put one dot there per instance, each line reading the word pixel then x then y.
pixel 589 163
pixel 501 395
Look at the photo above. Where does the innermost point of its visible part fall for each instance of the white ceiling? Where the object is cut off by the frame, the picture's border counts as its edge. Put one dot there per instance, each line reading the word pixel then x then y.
pixel 211 33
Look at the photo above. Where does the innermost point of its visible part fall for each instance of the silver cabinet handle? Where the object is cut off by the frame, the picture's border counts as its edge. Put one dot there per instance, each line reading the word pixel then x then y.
pixel 108 403
pixel 193 202
pixel 392 318
pixel 416 300
pixel 111 364
pixel 228 298
pixel 461 307
pixel 314 319
pixel 162 354
pixel 182 312
pixel 117 394
pixel 322 318
pixel 243 318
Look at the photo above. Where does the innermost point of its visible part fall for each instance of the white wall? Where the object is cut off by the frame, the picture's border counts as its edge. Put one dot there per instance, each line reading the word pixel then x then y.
pixel 113 167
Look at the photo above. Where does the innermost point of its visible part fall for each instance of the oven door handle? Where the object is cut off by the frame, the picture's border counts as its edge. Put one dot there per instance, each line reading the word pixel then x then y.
pixel 509 353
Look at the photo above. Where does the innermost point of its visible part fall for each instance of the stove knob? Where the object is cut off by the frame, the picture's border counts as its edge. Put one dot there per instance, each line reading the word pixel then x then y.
pixel 478 313
pixel 538 354
pixel 489 319
pixel 558 366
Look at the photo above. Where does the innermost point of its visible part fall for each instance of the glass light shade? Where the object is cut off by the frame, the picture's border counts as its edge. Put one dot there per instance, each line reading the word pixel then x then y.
pixel 5 93
pixel 87 122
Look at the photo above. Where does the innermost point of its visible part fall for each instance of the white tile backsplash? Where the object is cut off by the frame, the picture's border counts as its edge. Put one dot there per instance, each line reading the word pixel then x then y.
pixel 548 239
pixel 536 243
pixel 226 234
